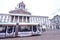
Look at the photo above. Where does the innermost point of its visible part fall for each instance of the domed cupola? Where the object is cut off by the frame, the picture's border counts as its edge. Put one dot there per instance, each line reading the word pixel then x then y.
pixel 21 5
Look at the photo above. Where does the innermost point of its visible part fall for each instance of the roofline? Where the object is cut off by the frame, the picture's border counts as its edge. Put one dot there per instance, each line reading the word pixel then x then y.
pixel 19 23
pixel 38 16
pixel 3 14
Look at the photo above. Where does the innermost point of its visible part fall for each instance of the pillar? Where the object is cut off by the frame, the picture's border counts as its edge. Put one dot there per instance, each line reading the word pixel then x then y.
pixel 32 28
pixel 18 18
pixel 22 18
pixel 6 31
pixel 13 30
pixel 9 18
pixel 16 30
pixel 26 18
pixel 37 28
pixel 14 19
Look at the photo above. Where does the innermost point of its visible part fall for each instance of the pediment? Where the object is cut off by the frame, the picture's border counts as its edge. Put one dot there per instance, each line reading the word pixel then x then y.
pixel 20 11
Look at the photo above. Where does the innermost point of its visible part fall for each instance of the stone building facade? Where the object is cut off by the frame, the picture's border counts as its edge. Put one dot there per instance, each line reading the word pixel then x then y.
pixel 27 23
pixel 55 22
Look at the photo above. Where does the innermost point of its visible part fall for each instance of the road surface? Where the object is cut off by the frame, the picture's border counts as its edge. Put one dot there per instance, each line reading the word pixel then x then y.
pixel 48 35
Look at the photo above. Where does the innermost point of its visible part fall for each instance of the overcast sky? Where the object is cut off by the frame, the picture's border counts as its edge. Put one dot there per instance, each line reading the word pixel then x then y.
pixel 36 7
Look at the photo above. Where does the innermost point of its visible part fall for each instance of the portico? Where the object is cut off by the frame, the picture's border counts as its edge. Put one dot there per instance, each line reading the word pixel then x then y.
pixel 21 16
pixel 21 19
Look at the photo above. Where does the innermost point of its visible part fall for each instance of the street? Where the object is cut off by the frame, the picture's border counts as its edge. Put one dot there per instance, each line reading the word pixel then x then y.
pixel 48 35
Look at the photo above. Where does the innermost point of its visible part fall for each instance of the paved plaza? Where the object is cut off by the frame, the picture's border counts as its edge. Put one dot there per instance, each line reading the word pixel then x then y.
pixel 48 35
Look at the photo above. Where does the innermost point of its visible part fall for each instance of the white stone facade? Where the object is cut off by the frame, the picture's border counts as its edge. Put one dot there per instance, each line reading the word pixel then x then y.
pixel 21 21
pixel 20 15
pixel 42 20
pixel 55 22
pixel 4 18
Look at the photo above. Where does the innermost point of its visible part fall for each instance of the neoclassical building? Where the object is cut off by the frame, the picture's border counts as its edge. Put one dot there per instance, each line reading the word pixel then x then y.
pixel 42 20
pixel 55 22
pixel 20 22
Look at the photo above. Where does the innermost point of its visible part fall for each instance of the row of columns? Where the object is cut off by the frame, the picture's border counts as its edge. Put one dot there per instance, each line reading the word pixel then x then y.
pixel 15 30
pixel 26 20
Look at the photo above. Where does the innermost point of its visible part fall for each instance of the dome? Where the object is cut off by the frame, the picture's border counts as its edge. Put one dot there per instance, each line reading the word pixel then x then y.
pixel 21 5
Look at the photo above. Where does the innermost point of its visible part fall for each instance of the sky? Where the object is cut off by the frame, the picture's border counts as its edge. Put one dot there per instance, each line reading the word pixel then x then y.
pixel 36 7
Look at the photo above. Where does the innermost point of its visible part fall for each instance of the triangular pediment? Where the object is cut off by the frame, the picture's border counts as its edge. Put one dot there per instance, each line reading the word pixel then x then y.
pixel 19 11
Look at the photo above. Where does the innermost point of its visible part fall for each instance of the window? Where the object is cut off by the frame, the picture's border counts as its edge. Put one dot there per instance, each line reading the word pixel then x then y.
pixel 2 29
pixel 1 18
pixel 10 28
pixel 34 28
pixel 25 28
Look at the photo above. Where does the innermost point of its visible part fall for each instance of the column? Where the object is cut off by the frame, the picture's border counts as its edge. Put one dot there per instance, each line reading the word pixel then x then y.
pixel 37 28
pixel 6 31
pixel 13 30
pixel 22 18
pixel 18 18
pixel 26 18
pixel 9 18
pixel 16 30
pixel 14 19
pixel 32 29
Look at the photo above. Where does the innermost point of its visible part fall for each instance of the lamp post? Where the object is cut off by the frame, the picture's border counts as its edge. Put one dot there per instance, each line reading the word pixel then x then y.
pixel 16 29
